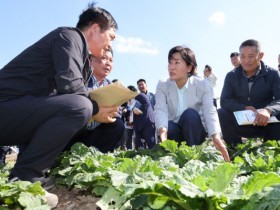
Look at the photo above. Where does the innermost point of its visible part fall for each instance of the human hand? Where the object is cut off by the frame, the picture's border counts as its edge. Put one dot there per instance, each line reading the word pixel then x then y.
pixel 163 133
pixel 219 144
pixel 106 114
pixel 262 117
pixel 137 111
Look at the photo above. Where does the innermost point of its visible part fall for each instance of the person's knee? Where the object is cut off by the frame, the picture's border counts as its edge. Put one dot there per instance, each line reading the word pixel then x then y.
pixel 190 114
pixel 224 115
pixel 273 132
pixel 80 108
pixel 119 125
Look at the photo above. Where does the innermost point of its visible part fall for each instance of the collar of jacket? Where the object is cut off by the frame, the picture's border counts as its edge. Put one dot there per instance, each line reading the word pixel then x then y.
pixel 262 72
pixel 87 71
pixel 173 83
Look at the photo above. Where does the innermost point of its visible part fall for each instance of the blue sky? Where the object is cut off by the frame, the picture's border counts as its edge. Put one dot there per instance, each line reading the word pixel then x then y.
pixel 148 29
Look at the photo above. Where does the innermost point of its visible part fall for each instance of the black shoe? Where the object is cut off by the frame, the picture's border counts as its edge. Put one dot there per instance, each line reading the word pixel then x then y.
pixel 14 179
pixel 46 182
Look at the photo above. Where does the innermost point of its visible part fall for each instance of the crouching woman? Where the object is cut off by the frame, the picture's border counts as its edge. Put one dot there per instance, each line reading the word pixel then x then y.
pixel 184 109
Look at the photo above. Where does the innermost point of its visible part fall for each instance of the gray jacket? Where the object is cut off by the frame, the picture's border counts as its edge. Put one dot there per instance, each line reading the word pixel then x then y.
pixel 199 97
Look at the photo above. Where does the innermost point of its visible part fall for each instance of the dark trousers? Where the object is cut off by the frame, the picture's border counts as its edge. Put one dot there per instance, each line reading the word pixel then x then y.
pixel 104 137
pixel 126 141
pixel 232 132
pixel 44 125
pixel 146 133
pixel 189 128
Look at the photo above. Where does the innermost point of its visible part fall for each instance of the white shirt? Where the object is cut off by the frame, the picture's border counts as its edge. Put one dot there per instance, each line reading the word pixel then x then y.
pixel 212 79
pixel 182 97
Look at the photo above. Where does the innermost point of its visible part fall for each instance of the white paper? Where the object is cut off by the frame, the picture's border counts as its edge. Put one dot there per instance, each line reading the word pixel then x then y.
pixel 247 117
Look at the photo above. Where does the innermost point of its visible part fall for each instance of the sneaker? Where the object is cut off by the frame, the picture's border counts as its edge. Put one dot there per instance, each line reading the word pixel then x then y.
pixel 13 179
pixel 51 199
pixel 46 182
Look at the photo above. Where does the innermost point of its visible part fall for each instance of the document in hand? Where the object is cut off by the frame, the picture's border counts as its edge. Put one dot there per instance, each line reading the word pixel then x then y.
pixel 114 94
pixel 247 117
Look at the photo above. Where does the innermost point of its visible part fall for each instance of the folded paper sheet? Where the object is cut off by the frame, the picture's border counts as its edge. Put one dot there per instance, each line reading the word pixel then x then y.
pixel 114 94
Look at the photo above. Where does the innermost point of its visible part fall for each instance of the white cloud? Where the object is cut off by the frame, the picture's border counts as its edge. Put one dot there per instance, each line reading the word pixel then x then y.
pixel 217 18
pixel 134 45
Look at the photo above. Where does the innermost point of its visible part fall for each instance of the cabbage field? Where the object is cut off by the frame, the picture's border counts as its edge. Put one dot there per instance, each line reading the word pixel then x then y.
pixel 170 176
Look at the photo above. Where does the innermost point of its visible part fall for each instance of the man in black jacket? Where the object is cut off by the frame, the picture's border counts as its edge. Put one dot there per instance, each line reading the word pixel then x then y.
pixel 43 95
pixel 251 86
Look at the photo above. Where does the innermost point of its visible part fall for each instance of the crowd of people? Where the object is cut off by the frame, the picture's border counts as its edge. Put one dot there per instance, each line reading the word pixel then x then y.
pixel 44 97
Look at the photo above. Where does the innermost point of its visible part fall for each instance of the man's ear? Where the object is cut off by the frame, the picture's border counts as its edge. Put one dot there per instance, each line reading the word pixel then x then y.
pixel 261 54
pixel 95 28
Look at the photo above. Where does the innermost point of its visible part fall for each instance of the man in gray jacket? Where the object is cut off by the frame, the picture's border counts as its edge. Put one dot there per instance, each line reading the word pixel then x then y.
pixel 251 86
pixel 43 95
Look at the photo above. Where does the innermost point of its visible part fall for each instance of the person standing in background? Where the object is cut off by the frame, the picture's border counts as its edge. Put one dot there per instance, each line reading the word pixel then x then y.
pixel 127 141
pixel 212 78
pixel 142 87
pixel 143 122
pixel 235 60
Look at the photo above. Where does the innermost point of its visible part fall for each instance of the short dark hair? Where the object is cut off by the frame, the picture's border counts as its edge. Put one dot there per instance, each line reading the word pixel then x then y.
pixel 187 55
pixel 251 43
pixel 132 88
pixel 141 80
pixel 96 15
pixel 233 54
pixel 208 67
pixel 110 49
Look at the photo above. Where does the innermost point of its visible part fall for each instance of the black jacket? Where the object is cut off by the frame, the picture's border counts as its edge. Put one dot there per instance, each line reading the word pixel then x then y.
pixel 147 118
pixel 58 62
pixel 265 91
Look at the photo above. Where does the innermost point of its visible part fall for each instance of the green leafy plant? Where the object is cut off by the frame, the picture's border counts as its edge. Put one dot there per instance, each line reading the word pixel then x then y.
pixel 20 194
pixel 173 176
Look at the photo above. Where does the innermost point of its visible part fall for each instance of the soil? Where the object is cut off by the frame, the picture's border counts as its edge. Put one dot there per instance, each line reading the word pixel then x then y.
pixel 68 199
pixel 74 199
